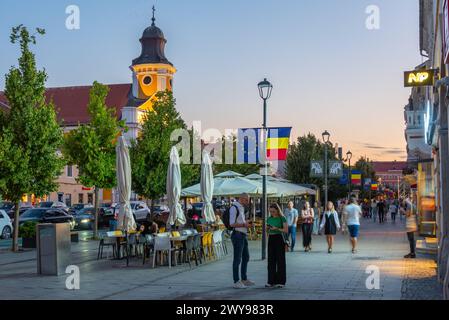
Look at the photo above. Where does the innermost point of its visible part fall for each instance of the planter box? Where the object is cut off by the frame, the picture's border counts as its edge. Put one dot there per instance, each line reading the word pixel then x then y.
pixel 29 243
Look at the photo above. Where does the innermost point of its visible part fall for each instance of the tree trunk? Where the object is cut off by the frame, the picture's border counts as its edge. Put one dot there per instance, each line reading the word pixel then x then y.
pixel 97 204
pixel 15 238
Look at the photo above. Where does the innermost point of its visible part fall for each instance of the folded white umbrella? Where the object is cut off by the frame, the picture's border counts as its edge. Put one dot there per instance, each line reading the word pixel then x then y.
pixel 123 168
pixel 207 188
pixel 174 190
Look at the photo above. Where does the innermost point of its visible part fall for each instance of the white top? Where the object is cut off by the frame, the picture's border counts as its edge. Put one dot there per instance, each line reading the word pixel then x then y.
pixel 352 214
pixel 240 217
pixel 326 215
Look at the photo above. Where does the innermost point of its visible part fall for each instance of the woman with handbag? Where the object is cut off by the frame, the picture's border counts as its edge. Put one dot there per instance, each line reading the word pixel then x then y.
pixel 307 215
pixel 277 246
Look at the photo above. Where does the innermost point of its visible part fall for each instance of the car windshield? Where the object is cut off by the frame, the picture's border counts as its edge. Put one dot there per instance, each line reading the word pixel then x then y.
pixel 45 204
pixel 33 213
pixel 86 211
pixel 78 206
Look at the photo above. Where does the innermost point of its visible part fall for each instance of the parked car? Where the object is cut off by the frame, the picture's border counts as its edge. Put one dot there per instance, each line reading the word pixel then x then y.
pixel 78 207
pixel 53 204
pixel 9 208
pixel 140 210
pixel 47 215
pixel 5 225
pixel 84 218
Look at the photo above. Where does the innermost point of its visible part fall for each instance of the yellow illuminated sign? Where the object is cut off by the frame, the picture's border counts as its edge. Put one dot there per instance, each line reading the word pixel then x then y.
pixel 419 78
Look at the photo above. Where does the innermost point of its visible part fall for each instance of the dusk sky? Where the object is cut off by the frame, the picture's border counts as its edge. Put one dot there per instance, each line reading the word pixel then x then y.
pixel 328 70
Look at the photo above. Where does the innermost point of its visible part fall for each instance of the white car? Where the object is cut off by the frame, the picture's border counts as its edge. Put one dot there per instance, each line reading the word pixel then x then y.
pixel 5 225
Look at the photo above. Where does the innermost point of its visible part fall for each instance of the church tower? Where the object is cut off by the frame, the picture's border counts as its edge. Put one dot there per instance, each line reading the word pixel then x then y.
pixel 151 72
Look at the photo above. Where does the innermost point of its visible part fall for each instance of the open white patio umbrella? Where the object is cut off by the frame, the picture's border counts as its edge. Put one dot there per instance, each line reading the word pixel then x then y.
pixel 123 167
pixel 174 190
pixel 207 188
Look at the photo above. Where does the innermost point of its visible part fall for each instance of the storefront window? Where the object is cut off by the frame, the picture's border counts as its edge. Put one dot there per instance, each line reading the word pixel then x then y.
pixel 426 199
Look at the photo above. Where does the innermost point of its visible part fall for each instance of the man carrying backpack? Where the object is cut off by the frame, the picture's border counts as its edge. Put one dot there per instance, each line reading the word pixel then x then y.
pixel 239 226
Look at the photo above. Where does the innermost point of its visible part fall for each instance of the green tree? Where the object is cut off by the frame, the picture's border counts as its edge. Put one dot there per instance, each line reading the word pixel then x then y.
pixel 151 151
pixel 365 166
pixel 91 146
pixel 301 153
pixel 30 133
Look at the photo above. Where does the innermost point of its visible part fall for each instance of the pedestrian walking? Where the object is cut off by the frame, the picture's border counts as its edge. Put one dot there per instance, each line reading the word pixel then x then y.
pixel 277 245
pixel 307 215
pixel 411 227
pixel 317 216
pixel 331 224
pixel 381 210
pixel 374 209
pixel 352 214
pixel 393 211
pixel 239 239
pixel 292 216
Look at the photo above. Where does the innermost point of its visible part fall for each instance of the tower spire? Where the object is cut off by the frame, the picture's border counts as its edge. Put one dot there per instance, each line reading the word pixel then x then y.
pixel 153 19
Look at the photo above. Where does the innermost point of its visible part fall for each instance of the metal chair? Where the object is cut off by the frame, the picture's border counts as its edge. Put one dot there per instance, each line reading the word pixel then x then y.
pixel 106 242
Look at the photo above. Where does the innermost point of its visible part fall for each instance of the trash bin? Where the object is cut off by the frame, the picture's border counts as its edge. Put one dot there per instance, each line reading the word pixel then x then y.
pixel 53 248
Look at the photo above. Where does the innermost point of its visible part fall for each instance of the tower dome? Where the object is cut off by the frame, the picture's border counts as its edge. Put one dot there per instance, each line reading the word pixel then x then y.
pixel 153 46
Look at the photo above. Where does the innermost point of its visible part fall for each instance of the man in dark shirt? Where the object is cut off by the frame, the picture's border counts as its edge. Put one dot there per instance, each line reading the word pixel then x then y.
pixel 381 210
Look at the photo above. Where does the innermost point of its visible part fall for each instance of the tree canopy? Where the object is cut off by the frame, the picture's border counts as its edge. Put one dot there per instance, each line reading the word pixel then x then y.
pixel 30 135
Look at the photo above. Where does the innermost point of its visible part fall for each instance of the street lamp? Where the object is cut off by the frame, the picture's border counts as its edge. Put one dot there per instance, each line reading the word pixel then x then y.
pixel 265 88
pixel 349 157
pixel 326 136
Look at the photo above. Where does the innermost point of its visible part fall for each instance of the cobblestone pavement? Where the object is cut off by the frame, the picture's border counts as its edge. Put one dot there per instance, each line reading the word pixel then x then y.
pixel 420 280
pixel 315 275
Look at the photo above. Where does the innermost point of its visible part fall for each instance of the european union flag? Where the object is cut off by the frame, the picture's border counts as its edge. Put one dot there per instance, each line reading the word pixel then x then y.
pixel 344 180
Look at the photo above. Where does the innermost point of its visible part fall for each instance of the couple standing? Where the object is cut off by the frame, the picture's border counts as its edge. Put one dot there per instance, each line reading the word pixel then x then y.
pixel 277 228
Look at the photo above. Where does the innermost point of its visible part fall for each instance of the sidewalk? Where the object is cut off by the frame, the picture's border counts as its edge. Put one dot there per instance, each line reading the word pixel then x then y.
pixel 314 275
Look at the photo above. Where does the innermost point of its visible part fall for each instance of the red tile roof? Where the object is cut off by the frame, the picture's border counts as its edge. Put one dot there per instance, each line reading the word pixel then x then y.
pixel 71 102
pixel 386 166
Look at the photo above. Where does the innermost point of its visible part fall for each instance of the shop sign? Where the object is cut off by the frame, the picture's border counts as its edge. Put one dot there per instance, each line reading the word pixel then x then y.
pixel 419 78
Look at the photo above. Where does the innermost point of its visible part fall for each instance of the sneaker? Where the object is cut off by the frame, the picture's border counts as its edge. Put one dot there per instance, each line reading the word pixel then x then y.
pixel 269 285
pixel 280 286
pixel 410 256
pixel 329 250
pixel 239 285
pixel 248 283
pixel 354 251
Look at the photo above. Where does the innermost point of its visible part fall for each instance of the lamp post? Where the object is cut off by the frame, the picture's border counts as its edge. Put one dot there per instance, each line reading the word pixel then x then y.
pixel 349 157
pixel 265 88
pixel 326 136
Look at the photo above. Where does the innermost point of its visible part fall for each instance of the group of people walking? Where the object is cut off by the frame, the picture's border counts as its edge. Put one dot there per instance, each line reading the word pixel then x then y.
pixel 281 230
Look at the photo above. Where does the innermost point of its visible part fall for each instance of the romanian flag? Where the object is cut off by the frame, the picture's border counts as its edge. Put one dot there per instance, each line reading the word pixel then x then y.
pixel 374 186
pixel 250 145
pixel 277 143
pixel 356 177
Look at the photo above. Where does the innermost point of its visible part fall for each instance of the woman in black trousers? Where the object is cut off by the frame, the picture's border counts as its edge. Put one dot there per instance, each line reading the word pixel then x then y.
pixel 307 215
pixel 277 229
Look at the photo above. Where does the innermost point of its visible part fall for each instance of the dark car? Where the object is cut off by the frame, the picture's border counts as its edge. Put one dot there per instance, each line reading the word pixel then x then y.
pixel 9 208
pixel 84 218
pixel 78 207
pixel 47 215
